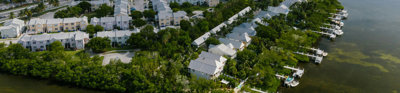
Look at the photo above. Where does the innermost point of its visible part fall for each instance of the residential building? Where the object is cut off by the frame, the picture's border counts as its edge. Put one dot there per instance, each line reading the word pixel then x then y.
pixel 199 41
pixel 71 40
pixel 237 45
pixel 75 24
pixel 12 28
pixel 178 16
pixel 223 50
pixel 36 25
pixel 122 8
pixel 56 25
pixel 165 16
pixel 109 23
pixel 244 37
pixel 118 38
pixel 208 65
pixel 97 3
pixel 211 3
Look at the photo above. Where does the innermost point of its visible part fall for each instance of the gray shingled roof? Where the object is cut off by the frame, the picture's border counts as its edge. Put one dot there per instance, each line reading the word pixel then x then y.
pixel 208 63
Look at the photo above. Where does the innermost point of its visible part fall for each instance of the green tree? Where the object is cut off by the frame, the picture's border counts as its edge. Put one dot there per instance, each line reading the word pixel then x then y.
pixel 86 6
pixel 104 10
pixel 149 14
pixel 186 5
pixel 139 22
pixel 98 28
pixel 212 40
pixel 136 15
pixel 174 5
pixel 185 25
pixel 99 44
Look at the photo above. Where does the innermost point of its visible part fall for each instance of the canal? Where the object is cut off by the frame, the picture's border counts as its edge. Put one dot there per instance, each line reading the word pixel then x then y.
pixel 366 59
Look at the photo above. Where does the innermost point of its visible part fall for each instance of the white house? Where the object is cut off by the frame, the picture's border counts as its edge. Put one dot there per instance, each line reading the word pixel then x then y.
pixel 210 3
pixel 208 65
pixel 12 28
pixel 244 37
pixel 116 37
pixel 122 7
pixel 223 49
pixel 71 40
pixel 238 45
pixel 165 16
pixel 108 23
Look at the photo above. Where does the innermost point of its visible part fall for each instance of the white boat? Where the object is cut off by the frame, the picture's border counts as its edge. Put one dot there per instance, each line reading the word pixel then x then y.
pixel 290 82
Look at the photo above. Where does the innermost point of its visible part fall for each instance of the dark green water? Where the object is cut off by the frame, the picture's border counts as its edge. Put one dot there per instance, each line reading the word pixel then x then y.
pixel 18 84
pixel 366 59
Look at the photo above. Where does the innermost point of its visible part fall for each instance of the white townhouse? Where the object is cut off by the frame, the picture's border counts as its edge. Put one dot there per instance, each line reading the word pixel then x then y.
pixel 210 3
pixel 122 7
pixel 237 45
pixel 165 16
pixel 223 50
pixel 109 23
pixel 244 37
pixel 116 37
pixel 208 65
pixel 12 28
pixel 71 40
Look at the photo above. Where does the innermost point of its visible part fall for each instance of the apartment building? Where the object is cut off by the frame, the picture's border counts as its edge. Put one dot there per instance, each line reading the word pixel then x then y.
pixel 122 8
pixel 210 3
pixel 56 25
pixel 75 24
pixel 165 16
pixel 109 23
pixel 12 28
pixel 71 40
pixel 118 38
pixel 97 3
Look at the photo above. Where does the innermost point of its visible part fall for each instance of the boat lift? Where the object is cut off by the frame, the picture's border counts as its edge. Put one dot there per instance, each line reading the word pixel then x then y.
pixel 297 71
pixel 317 59
pixel 337 32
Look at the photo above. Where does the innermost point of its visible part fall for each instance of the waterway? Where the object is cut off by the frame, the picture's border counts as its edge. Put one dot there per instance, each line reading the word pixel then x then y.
pixel 19 84
pixel 366 59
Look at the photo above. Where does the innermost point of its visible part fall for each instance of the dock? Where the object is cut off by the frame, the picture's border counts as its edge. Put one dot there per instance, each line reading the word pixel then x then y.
pixel 337 32
pixel 297 71
pixel 330 35
pixel 317 59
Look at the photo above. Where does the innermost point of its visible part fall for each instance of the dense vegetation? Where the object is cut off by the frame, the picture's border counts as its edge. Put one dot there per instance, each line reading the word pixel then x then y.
pixel 84 8
pixel 274 44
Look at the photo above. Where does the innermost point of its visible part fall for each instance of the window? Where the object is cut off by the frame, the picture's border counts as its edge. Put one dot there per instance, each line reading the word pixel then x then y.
pixel 72 27
pixel 119 22
pixel 104 23
pixel 34 42
pixel 41 42
pixel 28 42
pixel 119 37
pixel 56 29
pixel 48 41
pixel 125 22
pixel 55 24
pixel 33 29
pixel 61 40
pixel 66 40
pixel 66 23
pixel 33 25
pixel 41 47
pixel 72 23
